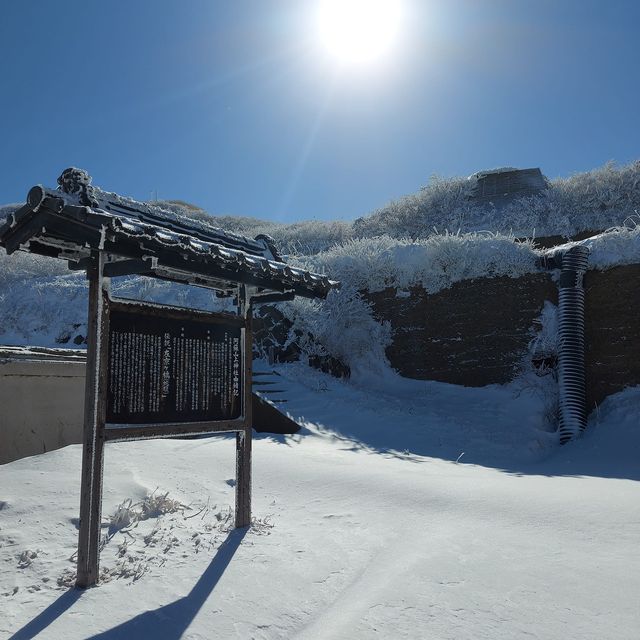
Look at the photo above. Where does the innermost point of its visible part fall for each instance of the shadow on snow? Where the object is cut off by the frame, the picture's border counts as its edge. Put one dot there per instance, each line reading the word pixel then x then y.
pixel 464 428
pixel 168 622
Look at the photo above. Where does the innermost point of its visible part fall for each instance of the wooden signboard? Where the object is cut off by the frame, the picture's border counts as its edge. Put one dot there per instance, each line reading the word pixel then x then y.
pixel 157 371
pixel 167 366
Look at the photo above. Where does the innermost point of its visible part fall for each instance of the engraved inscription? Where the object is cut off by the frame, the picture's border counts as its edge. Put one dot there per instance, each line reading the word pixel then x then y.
pixel 176 369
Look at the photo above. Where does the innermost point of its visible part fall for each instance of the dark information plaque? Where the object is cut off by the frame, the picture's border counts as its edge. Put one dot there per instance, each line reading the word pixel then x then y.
pixel 172 367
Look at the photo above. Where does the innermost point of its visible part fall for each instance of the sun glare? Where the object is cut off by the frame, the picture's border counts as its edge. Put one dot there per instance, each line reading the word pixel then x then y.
pixel 358 31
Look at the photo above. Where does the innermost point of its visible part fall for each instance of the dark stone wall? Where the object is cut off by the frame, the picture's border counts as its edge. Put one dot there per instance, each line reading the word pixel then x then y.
pixel 474 333
pixel 548 242
pixel 612 331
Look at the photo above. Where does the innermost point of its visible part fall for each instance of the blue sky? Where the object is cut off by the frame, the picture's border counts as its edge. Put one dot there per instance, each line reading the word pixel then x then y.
pixel 232 105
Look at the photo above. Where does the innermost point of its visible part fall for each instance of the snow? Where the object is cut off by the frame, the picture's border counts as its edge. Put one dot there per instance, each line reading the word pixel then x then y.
pixel 43 304
pixel 434 263
pixel 402 509
pixel 365 525
pixel 618 246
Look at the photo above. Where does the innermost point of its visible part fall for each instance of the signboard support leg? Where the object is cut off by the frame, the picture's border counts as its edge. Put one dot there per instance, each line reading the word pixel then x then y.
pixel 93 437
pixel 244 437
pixel 243 478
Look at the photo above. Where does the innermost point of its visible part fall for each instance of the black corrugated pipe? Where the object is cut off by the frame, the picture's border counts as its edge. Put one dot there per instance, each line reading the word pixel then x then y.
pixel 571 376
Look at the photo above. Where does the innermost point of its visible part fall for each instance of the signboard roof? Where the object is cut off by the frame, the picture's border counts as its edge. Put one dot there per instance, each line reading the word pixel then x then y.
pixel 71 221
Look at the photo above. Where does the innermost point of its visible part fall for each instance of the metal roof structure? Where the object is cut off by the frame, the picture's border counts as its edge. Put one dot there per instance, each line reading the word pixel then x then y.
pixel 76 219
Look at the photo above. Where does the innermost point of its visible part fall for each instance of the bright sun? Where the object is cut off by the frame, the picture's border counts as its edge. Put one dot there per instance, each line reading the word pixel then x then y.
pixel 358 31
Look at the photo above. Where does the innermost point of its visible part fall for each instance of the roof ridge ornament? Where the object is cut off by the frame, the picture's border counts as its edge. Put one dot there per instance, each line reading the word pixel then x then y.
pixel 76 181
pixel 270 244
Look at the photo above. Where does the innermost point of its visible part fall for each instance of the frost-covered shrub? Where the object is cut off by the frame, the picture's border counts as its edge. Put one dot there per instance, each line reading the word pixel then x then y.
pixel 300 238
pixel 36 310
pixel 308 238
pixel 42 303
pixel 590 201
pixel 608 188
pixel 243 225
pixel 172 293
pixel 24 266
pixel 544 346
pixel 593 200
pixel 440 206
pixel 434 263
pixel 341 326
pixel 303 238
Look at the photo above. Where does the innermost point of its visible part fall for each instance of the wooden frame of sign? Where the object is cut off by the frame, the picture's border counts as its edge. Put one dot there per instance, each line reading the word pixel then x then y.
pixel 156 371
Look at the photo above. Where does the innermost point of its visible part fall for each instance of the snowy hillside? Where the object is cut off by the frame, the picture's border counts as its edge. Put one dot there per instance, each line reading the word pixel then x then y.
pixel 595 201
pixel 365 527
pixel 591 201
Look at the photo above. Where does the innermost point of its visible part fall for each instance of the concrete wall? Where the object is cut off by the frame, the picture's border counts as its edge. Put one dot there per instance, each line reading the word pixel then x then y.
pixel 41 406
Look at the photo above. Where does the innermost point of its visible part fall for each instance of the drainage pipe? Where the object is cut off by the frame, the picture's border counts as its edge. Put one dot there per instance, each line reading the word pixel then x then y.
pixel 571 374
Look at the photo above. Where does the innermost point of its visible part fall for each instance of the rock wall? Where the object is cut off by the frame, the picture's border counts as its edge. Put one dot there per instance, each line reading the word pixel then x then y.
pixel 477 332
pixel 474 333
pixel 612 331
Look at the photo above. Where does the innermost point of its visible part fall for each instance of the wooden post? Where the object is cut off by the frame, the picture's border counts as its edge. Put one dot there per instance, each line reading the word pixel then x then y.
pixel 243 478
pixel 244 437
pixel 93 436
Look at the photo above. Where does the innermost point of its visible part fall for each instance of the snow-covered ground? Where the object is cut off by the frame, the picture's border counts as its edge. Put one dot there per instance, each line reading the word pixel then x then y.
pixel 402 510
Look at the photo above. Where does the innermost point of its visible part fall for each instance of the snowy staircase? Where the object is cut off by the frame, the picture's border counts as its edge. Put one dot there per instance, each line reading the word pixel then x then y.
pixel 266 383
pixel 268 404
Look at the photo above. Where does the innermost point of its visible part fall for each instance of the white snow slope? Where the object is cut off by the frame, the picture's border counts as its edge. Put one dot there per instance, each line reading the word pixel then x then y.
pixel 366 526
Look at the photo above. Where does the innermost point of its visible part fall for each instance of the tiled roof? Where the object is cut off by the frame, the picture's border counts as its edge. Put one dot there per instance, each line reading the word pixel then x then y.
pixel 76 218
